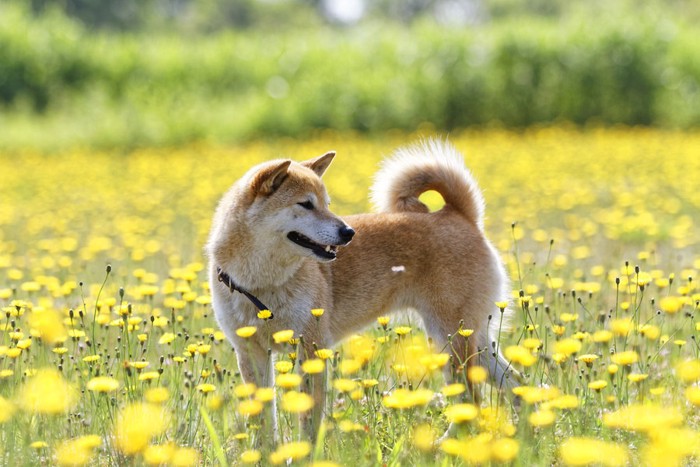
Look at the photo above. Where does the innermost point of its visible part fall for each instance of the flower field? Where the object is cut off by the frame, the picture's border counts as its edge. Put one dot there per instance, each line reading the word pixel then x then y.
pixel 110 353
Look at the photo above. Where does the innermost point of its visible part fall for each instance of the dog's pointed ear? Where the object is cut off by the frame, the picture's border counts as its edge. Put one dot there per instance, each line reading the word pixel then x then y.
pixel 269 180
pixel 320 163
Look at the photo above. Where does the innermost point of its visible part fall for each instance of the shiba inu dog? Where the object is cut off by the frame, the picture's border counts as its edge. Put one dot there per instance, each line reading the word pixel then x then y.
pixel 275 240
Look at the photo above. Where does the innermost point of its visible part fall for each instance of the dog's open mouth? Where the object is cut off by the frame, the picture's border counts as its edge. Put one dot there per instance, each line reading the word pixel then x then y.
pixel 322 251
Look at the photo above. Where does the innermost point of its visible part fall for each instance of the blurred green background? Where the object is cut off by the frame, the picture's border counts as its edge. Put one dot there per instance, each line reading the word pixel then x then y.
pixel 165 72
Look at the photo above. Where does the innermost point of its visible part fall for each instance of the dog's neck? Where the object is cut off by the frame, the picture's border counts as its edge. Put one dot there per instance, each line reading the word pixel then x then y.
pixel 254 264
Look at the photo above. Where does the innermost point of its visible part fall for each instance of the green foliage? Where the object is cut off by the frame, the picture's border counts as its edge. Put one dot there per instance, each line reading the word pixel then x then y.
pixel 62 84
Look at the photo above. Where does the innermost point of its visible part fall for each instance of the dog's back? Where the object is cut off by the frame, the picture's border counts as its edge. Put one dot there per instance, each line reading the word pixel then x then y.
pixel 438 263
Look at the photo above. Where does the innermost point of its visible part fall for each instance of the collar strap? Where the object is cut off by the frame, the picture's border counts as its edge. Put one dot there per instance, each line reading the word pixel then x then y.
pixel 233 287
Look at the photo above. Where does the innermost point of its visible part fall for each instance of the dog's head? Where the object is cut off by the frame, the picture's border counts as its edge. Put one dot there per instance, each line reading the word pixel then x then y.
pixel 288 205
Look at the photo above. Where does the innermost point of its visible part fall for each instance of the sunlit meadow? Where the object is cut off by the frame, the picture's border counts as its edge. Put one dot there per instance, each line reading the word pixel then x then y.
pixel 110 353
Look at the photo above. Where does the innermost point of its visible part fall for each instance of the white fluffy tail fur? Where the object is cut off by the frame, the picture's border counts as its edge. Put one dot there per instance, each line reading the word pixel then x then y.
pixel 432 164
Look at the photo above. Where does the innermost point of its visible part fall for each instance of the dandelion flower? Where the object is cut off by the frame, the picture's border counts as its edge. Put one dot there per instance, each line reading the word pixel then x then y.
pixel 166 338
pixel 403 398
pixel 671 304
pixel 349 366
pixel 281 337
pixel 504 449
pixel 103 384
pixel 688 371
pixel 206 388
pixel 585 451
pixel 246 331
pixel 459 413
pixel 402 330
pixel 244 390
pixel 157 395
pixel 137 424
pixel 264 314
pixel 7 409
pixel 284 366
pixel 520 355
pixel 184 457
pixel 424 437
pixel 313 366
pixel 598 385
pixel 250 407
pixel 297 402
pixel 158 454
pixel 344 385
pixel 453 389
pixel 643 417
pixel 541 418
pixel 324 354
pixel 567 346
pixel 317 312
pixel 47 392
pixel 251 456
pixel 288 380
pixel 290 451
pixel 625 358
pixel 477 374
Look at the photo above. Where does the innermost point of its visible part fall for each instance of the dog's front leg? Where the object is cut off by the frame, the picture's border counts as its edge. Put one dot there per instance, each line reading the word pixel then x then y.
pixel 255 366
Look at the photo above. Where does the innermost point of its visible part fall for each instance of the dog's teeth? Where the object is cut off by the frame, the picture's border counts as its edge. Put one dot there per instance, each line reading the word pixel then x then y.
pixel 328 248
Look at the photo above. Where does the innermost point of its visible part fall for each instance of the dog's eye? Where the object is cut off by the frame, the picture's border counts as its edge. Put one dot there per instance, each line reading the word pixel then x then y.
pixel 307 205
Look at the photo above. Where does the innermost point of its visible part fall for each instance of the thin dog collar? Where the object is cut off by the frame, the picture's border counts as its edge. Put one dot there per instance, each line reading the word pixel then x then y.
pixel 228 282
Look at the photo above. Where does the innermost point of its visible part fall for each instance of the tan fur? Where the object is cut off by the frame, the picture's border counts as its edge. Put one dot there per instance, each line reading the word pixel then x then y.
pixel 439 264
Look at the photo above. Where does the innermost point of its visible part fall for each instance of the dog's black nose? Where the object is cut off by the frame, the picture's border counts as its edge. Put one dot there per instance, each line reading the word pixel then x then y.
pixel 346 233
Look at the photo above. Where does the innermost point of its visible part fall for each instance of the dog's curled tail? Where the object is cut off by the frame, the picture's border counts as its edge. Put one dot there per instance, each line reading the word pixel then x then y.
pixel 432 164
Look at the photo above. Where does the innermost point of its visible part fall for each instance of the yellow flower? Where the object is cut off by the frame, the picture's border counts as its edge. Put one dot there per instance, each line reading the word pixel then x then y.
pixel 602 336
pixel 637 377
pixel 650 331
pixel 453 389
pixel 324 354
pixel 138 365
pixel 688 371
pixel 622 327
pixel 586 451
pixel 250 407
pixel 284 366
pixel 567 346
pixel 102 384
pixel 317 312
pixel 625 358
pixel 519 354
pixel 459 413
pixel 288 380
pixel 281 337
pixel 692 393
pixel 297 402
pixel 671 305
pixel 504 449
pixel 402 330
pixel 251 456
pixel 49 325
pixel 244 390
pixel 290 451
pixel 502 305
pixel 158 454
pixel 184 457
pixel 643 418
pixel 149 375
pixel 246 331
pixel 47 392
pixel 157 395
pixel 77 451
pixel 264 394
pixel 349 366
pixel 7 409
pixel 264 314
pixel 588 359
pixel 137 424
pixel 344 385
pixel 541 418
pixel 477 374
pixel 166 338
pixel 206 388
pixel 383 321
pixel 465 332
pixel 403 398
pixel 598 384
pixel 424 437
pixel 313 366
